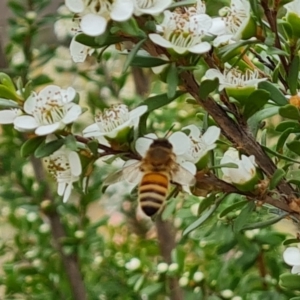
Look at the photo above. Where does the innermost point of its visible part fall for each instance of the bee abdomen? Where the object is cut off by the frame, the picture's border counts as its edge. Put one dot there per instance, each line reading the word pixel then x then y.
pixel 152 193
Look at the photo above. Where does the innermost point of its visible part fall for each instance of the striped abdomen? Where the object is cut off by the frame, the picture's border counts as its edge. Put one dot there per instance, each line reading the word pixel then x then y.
pixel 153 192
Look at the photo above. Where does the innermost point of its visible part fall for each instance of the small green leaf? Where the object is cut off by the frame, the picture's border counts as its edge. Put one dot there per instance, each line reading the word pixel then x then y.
pixel 41 79
pixel 208 86
pixel 282 139
pixel 227 165
pixel 290 281
pixel 6 93
pixel 152 289
pixel 6 81
pixel 243 217
pixel 31 145
pixel 147 61
pixel 255 102
pixel 268 150
pixel 291 241
pixel 131 27
pixel 169 209
pixel 8 103
pixel 289 112
pixel 172 80
pixel 294 126
pixel 233 207
pixel 46 149
pixel 71 142
pixel 93 146
pixel 275 94
pixel 206 202
pixel 294 146
pixel 132 54
pixel 276 178
pixel 293 72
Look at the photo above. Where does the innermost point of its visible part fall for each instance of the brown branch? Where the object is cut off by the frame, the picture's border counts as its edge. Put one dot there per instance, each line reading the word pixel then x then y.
pixel 70 262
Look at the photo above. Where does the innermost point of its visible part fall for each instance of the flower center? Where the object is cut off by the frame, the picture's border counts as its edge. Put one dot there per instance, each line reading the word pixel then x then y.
pixel 58 166
pixel 112 118
pixel 100 7
pixel 238 78
pixel 51 111
pixel 234 18
pixel 183 30
pixel 145 3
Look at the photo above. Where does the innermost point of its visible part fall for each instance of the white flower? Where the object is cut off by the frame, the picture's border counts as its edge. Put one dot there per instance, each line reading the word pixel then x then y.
pixel 183 281
pixel 94 14
pixel 49 110
pixel 183 32
pixel 291 256
pixel 150 7
pixel 200 143
pixel 227 294
pixel 233 77
pixel 293 7
pixel 180 143
pixel 64 165
pixel 234 21
pixel 162 267
pixel 245 171
pixel 113 120
pixel 133 264
pixel 173 267
pixel 78 51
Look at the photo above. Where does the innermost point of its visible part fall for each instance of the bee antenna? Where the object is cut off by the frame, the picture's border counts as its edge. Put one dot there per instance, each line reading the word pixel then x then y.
pixel 168 132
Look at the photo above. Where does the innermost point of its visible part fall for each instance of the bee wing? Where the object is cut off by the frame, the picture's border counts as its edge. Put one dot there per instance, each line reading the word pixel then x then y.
pixel 182 176
pixel 130 173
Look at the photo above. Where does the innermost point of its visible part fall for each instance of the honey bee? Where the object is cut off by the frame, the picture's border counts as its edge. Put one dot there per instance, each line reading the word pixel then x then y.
pixel 154 173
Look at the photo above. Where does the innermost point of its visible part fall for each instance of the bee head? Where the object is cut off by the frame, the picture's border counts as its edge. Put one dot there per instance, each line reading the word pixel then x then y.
pixel 161 143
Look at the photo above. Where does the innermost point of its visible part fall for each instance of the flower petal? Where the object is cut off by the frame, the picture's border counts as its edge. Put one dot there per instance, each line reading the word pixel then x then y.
pixel 189 166
pixel 194 131
pixel 200 48
pixel 72 114
pixel 61 186
pixel 291 256
pixel 46 129
pixel 7 116
pixel 93 25
pixel 211 135
pixel 295 270
pixel 180 142
pixel 157 7
pixel 138 111
pixel 67 192
pixel 75 164
pixel 142 144
pixel 30 103
pixel 122 10
pixel 92 130
pixel 75 6
pixel 159 40
pixel 25 122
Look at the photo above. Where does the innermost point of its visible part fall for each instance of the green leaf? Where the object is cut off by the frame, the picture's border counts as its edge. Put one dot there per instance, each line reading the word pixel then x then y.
pixel 41 79
pixel 282 139
pixel 255 121
pixel 201 220
pixel 243 217
pixel 290 281
pixel 280 155
pixel 152 289
pixel 294 146
pixel 233 207
pixel 100 41
pixel 93 146
pixel 293 176
pixel 31 145
pixel 255 102
pixel 276 178
pixel 227 165
pixel 206 202
pixel 275 94
pixel 293 72
pixel 132 54
pixel 172 80
pixel 169 209
pixel 291 241
pixel 289 112
pixel 131 27
pixel 158 101
pixel 147 61
pixel 6 81
pixel 46 149
pixel 8 103
pixel 208 86
pixel 7 93
pixel 294 126
pixel 71 142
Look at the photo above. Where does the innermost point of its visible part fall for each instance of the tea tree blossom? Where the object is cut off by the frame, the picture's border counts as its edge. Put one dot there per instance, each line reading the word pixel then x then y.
pixel 183 32
pixel 7 116
pixel 201 144
pixel 95 14
pixel 245 171
pixel 291 256
pixel 115 120
pixel 49 110
pixel 64 165
pixel 235 23
pixel 150 7
pixel 235 78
